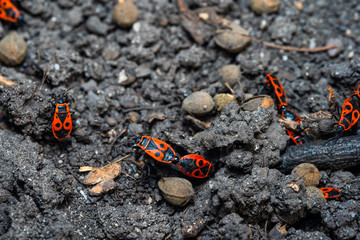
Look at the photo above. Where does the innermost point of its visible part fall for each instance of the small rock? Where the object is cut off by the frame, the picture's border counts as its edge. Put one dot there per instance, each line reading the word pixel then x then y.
pixel 230 74
pixel 75 16
pixel 12 49
pixel 125 13
pixel 111 121
pixel 177 191
pixel 315 198
pixel 133 117
pixel 93 24
pixel 111 51
pixel 264 6
pixel 198 103
pixel 143 71
pixel 299 5
pixel 309 173
pixel 334 51
pixel 127 76
pixel 277 232
pixel 232 39
pixel 90 85
pixel 193 229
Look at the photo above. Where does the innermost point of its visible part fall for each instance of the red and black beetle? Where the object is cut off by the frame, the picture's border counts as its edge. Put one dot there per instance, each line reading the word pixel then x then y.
pixel 274 84
pixel 290 115
pixel 350 112
pixel 9 12
pixel 157 149
pixel 331 193
pixel 62 123
pixel 194 165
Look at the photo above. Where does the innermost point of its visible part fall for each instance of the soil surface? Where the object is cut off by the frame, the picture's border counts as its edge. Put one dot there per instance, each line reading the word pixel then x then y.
pixel 82 51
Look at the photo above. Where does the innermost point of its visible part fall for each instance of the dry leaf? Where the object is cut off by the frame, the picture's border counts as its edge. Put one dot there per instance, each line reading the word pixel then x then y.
pixel 157 116
pixel 102 177
pixel 98 175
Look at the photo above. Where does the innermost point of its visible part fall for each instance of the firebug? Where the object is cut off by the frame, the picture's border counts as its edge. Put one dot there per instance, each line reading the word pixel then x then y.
pixel 157 149
pixel 331 193
pixel 62 123
pixel 274 84
pixel 9 12
pixel 194 165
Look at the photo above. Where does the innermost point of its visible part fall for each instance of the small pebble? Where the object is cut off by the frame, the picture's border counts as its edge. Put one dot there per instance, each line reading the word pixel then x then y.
pixel 230 74
pixel 232 39
pixel 12 49
pixel 334 51
pixel 90 85
pixel 299 5
pixel 127 76
pixel 264 6
pixel 133 117
pixel 111 121
pixel 198 103
pixel 93 24
pixel 75 16
pixel 125 13
pixel 111 51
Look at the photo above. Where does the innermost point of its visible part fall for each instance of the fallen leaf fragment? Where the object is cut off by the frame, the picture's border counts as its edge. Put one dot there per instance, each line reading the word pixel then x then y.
pixel 157 116
pixel 102 177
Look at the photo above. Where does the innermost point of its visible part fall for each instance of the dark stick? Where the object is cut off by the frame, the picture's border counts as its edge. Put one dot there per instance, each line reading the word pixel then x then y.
pixel 333 154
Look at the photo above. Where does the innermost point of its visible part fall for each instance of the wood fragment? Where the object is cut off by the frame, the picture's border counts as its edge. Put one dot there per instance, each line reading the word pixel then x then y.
pixel 288 48
pixel 6 82
pixel 334 154
pixel 116 138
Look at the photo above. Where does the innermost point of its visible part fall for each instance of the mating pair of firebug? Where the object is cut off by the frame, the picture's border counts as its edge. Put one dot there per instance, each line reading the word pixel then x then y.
pixel 281 100
pixel 191 165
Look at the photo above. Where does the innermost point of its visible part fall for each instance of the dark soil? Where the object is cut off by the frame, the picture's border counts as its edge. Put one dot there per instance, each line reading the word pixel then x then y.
pixel 41 190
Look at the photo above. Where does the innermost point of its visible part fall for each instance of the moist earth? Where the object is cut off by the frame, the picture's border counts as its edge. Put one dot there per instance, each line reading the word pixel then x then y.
pixel 82 52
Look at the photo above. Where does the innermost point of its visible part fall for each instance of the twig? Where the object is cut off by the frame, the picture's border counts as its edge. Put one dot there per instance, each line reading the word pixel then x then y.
pixel 6 82
pixel 230 88
pixel 116 138
pixel 258 228
pixel 266 223
pixel 118 160
pixel 286 48
pixel 343 153
pixel 149 108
